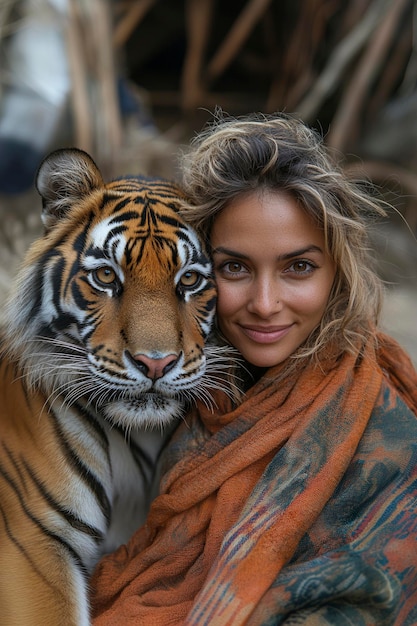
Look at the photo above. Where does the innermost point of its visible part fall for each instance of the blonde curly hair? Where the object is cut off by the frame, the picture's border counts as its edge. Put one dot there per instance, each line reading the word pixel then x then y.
pixel 232 156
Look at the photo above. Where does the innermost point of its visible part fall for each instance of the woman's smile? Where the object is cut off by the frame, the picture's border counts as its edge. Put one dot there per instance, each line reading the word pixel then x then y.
pixel 273 275
pixel 267 334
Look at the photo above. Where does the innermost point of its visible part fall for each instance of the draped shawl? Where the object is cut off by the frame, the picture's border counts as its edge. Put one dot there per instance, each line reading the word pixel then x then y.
pixel 296 507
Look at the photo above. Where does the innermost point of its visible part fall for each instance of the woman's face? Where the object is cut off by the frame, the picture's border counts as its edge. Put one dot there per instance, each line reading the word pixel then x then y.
pixel 273 275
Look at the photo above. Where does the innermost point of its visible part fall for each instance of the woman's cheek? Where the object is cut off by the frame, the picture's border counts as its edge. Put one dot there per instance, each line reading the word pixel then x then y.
pixel 229 298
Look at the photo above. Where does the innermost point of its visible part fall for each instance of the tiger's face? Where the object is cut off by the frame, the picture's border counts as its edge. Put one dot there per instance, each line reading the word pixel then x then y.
pixel 114 303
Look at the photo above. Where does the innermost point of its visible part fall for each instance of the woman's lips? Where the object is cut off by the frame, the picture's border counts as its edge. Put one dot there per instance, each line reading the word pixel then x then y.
pixel 269 334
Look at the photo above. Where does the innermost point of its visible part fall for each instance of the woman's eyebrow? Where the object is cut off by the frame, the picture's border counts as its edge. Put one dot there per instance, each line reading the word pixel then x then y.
pixel 228 252
pixel 300 252
pixel 281 257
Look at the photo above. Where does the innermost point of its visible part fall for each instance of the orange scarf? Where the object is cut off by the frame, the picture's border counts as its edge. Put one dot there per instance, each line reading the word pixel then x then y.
pixel 247 488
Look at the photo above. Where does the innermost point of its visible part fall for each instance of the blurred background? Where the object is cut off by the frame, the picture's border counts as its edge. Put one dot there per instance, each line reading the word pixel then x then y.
pixel 131 81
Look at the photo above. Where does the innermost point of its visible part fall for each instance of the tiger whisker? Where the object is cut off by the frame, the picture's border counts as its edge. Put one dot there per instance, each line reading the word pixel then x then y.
pixel 202 395
pixel 213 377
pixel 219 382
pixel 66 398
pixel 58 342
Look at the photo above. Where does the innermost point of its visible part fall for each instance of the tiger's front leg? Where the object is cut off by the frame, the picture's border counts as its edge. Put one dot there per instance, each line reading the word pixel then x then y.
pixel 64 501
pixel 40 582
pixel 51 523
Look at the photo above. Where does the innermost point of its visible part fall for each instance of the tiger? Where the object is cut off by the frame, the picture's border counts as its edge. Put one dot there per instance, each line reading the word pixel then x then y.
pixel 102 348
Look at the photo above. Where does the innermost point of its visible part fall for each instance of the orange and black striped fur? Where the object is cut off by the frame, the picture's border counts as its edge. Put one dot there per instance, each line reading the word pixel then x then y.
pixel 104 338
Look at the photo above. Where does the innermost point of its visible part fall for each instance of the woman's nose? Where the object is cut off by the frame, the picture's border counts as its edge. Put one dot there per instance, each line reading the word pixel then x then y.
pixel 264 299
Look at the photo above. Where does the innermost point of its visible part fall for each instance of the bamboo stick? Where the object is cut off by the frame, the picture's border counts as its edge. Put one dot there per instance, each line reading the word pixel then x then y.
pixel 132 18
pixel 198 14
pixel 346 117
pixel 236 37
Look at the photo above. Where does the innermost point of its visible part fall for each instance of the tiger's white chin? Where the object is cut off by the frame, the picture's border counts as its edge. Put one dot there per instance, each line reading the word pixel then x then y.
pixel 147 411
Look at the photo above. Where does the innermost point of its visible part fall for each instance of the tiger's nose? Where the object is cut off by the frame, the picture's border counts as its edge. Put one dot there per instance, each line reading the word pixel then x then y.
pixel 155 368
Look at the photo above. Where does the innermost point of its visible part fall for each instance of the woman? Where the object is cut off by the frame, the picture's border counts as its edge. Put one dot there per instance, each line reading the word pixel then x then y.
pixel 294 501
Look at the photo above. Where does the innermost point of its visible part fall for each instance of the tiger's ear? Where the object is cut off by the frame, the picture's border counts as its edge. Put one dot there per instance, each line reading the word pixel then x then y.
pixel 65 177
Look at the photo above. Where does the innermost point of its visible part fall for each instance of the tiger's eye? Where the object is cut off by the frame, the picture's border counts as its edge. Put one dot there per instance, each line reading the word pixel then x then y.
pixel 189 279
pixel 105 275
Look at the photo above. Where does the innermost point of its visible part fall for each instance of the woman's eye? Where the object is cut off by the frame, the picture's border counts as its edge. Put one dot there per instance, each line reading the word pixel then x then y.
pixel 230 270
pixel 234 268
pixel 231 267
pixel 190 279
pixel 105 275
pixel 302 267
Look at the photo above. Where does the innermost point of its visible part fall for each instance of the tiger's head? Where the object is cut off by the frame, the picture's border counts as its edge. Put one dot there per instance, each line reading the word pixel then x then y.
pixel 114 302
